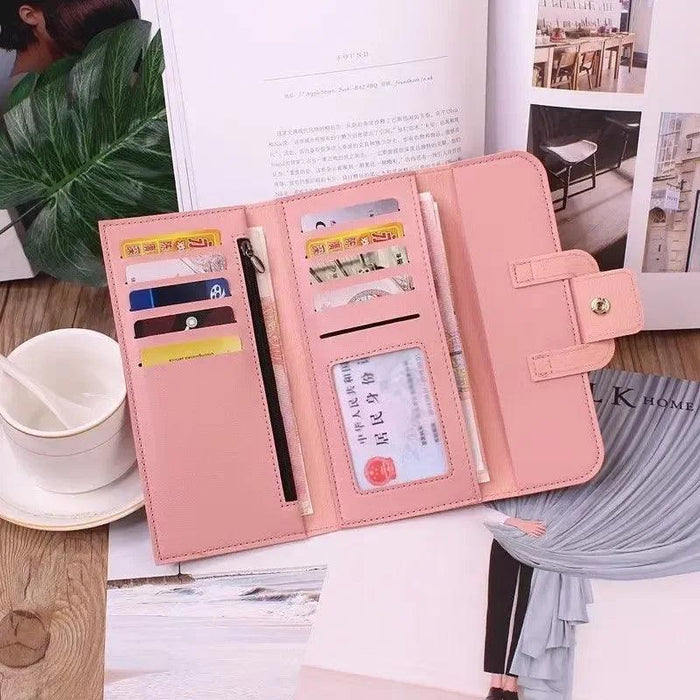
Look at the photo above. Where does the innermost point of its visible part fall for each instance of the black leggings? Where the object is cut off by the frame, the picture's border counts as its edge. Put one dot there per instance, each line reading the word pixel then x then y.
pixel 506 575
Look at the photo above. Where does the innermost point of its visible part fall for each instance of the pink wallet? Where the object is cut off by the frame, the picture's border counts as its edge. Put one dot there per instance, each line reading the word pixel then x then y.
pixel 212 431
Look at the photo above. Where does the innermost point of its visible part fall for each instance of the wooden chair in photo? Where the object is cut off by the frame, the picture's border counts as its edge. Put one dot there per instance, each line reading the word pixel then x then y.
pixel 613 45
pixel 565 158
pixel 540 66
pixel 537 75
pixel 564 68
pixel 590 62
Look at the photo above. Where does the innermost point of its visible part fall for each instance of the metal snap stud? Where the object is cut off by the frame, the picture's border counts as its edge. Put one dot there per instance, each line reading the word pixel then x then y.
pixel 191 322
pixel 600 306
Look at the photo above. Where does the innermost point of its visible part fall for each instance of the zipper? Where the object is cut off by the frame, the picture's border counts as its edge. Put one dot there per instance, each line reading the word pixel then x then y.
pixel 252 266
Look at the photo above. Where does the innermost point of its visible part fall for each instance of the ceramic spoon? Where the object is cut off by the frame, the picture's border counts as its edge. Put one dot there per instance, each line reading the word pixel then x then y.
pixel 70 414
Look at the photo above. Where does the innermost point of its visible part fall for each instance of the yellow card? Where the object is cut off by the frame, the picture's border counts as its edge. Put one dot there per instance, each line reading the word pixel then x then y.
pixel 349 240
pixel 165 354
pixel 170 243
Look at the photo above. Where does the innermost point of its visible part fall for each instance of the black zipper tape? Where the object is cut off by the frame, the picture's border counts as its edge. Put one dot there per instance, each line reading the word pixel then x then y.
pixel 251 266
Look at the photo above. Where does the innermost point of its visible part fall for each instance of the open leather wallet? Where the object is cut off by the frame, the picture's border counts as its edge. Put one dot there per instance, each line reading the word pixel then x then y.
pixel 310 377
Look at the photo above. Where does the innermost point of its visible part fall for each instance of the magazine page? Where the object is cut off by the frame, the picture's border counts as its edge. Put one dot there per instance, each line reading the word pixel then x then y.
pixel 603 93
pixel 231 636
pixel 436 609
pixel 275 97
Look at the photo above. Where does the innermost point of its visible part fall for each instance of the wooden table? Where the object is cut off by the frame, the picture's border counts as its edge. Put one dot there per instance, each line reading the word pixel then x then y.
pixel 53 585
pixel 544 54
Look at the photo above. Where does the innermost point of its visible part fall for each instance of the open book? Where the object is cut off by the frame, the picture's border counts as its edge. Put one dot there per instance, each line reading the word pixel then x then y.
pixel 270 98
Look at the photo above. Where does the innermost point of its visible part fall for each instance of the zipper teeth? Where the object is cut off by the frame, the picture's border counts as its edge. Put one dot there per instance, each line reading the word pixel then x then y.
pixel 265 360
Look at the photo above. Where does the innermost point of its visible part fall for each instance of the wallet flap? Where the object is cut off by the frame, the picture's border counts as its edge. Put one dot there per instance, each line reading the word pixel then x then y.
pixel 547 436
pixel 607 306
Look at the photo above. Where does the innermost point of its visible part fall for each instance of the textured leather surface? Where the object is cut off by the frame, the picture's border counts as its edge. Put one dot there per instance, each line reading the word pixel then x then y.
pixel 202 427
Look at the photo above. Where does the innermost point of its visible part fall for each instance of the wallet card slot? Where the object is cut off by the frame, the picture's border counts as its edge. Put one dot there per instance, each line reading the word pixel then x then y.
pixel 218 462
pixel 209 333
pixel 180 265
pixel 370 289
pixel 179 294
pixel 191 321
pixel 234 302
pixel 340 217
pixel 370 326
pixel 170 281
pixel 356 233
pixel 374 311
pixel 368 234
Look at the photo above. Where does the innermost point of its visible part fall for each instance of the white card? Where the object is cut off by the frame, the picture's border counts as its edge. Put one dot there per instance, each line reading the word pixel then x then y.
pixel 390 420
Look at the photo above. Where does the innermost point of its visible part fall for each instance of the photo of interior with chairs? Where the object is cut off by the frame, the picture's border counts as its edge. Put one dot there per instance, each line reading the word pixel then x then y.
pixel 595 45
pixel 590 157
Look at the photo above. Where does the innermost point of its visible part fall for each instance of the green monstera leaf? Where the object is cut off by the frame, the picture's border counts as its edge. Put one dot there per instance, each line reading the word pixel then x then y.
pixel 85 141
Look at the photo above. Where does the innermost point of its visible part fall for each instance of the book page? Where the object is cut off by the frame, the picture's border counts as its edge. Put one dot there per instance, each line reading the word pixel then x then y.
pixel 271 98
pixel 603 93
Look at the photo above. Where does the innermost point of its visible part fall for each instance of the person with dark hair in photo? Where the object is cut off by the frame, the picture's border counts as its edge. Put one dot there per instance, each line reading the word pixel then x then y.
pixel 39 32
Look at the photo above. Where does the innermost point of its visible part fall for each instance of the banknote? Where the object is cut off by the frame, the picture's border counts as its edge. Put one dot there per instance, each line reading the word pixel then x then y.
pixel 366 291
pixel 441 274
pixel 267 297
pixel 361 263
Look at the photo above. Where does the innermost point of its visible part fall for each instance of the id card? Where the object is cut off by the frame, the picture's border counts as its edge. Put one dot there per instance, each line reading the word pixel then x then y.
pixel 390 420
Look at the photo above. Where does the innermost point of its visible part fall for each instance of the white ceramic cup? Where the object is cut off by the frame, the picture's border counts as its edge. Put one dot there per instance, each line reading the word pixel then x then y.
pixel 84 366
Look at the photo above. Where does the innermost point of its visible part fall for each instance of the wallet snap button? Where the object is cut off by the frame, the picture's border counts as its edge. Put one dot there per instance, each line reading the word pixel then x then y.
pixel 600 306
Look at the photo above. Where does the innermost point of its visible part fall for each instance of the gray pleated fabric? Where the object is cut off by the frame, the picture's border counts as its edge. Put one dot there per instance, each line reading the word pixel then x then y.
pixel 639 518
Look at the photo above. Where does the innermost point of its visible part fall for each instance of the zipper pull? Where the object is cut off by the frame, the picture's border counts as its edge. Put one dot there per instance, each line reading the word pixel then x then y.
pixel 247 250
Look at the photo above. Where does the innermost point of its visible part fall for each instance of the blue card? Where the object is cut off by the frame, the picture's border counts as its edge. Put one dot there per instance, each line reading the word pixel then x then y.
pixel 187 293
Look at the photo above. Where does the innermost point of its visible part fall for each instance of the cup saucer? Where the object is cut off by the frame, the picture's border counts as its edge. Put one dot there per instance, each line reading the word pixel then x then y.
pixel 22 502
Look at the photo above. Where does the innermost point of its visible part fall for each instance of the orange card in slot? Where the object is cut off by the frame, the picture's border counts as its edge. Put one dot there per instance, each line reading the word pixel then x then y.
pixel 348 240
